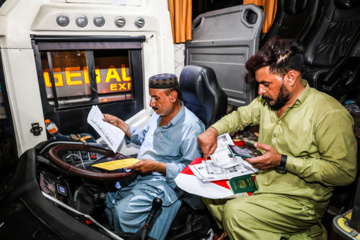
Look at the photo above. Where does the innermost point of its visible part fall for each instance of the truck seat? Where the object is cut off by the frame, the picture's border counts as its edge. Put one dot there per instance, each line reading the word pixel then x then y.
pixel 294 19
pixel 332 38
pixel 202 94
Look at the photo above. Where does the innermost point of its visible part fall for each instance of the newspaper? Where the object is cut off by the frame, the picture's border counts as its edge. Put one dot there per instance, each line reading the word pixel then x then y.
pixel 207 171
pixel 222 157
pixel 112 135
pixel 223 165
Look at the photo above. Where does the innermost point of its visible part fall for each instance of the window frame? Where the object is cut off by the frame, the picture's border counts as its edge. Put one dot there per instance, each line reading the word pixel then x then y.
pixel 120 108
pixel 89 45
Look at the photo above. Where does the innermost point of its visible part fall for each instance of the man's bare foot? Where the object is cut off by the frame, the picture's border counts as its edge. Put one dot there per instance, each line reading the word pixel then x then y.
pixel 223 236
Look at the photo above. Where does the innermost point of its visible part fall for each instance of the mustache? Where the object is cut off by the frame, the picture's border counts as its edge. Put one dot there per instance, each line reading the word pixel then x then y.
pixel 155 108
pixel 268 99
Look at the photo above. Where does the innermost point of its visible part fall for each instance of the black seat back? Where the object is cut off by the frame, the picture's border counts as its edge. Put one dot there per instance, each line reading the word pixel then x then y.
pixel 343 80
pixel 331 39
pixel 335 32
pixel 354 49
pixel 294 19
pixel 202 94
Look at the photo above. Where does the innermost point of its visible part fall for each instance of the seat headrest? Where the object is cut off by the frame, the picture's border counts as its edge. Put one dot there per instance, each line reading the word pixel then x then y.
pixel 295 6
pixel 202 94
pixel 345 4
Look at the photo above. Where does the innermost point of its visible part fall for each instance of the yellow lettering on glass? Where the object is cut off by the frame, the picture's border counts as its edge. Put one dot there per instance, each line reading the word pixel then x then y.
pixel 113 87
pixel 69 75
pixel 58 78
pixel 123 73
pixel 47 78
pixel 97 73
pixel 112 73
pixel 122 86
pixel 129 85
pixel 86 75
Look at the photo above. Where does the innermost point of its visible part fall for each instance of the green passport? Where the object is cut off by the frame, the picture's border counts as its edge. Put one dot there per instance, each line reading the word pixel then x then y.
pixel 242 184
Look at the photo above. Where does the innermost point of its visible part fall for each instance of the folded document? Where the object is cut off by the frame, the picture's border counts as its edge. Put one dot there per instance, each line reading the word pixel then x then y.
pixel 116 164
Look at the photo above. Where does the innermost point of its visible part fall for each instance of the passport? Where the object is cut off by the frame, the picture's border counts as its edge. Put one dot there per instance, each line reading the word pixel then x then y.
pixel 242 184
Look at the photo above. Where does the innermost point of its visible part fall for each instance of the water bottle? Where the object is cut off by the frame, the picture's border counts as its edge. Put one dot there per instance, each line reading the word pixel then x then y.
pixel 52 128
pixel 352 106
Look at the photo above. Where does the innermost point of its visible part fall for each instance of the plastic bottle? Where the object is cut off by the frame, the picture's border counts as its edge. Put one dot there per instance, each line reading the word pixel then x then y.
pixel 52 128
pixel 352 106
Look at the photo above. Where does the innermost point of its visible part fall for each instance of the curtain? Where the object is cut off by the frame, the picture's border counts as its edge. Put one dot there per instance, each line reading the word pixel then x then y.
pixel 181 19
pixel 270 7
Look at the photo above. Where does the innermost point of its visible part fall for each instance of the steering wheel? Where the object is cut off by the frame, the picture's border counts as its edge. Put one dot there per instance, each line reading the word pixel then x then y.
pixel 109 176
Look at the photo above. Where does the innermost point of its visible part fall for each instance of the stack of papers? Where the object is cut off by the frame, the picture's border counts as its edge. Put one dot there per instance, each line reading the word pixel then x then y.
pixel 223 165
pixel 207 171
pixel 222 157
pixel 112 135
pixel 240 186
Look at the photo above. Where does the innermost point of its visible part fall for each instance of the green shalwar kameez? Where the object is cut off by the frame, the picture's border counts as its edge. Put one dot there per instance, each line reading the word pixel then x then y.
pixel 316 133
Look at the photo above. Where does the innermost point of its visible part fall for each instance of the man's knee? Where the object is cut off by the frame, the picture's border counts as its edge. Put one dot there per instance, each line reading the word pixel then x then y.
pixel 234 216
pixel 123 215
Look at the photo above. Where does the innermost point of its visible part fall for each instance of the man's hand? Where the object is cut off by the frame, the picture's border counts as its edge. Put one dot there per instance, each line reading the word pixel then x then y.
pixel 269 160
pixel 117 122
pixel 112 120
pixel 148 166
pixel 208 142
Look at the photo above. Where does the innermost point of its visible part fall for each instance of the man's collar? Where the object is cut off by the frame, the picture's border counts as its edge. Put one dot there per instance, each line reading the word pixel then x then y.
pixel 177 117
pixel 301 99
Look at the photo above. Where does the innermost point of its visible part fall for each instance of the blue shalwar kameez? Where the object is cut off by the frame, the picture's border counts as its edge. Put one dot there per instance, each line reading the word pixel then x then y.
pixel 174 144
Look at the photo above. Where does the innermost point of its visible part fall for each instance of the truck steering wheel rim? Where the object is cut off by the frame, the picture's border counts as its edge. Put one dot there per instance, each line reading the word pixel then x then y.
pixel 109 176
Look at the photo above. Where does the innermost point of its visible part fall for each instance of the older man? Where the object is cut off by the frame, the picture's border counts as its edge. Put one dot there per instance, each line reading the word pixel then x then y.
pixel 308 143
pixel 168 144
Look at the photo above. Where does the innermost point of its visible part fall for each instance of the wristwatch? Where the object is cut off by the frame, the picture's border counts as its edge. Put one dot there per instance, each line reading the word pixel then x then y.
pixel 281 168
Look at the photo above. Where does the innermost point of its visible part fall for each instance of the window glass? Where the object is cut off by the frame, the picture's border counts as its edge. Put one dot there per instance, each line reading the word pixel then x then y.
pixel 70 73
pixel 113 75
pixel 86 76
pixel 77 72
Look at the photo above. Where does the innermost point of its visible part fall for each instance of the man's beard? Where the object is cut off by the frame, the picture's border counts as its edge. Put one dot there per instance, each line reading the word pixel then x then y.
pixel 281 100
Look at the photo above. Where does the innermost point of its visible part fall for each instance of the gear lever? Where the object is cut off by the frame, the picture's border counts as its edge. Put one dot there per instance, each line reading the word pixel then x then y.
pixel 142 233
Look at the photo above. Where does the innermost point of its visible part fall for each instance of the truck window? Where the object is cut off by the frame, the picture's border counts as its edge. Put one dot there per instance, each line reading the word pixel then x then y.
pixel 77 72
pixel 85 75
pixel 73 79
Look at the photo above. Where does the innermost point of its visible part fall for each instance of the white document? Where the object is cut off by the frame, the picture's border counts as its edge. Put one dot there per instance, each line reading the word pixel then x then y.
pixel 222 156
pixel 112 135
pixel 207 171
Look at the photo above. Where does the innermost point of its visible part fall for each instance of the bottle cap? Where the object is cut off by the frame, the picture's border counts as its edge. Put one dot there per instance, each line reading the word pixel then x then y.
pixel 47 121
